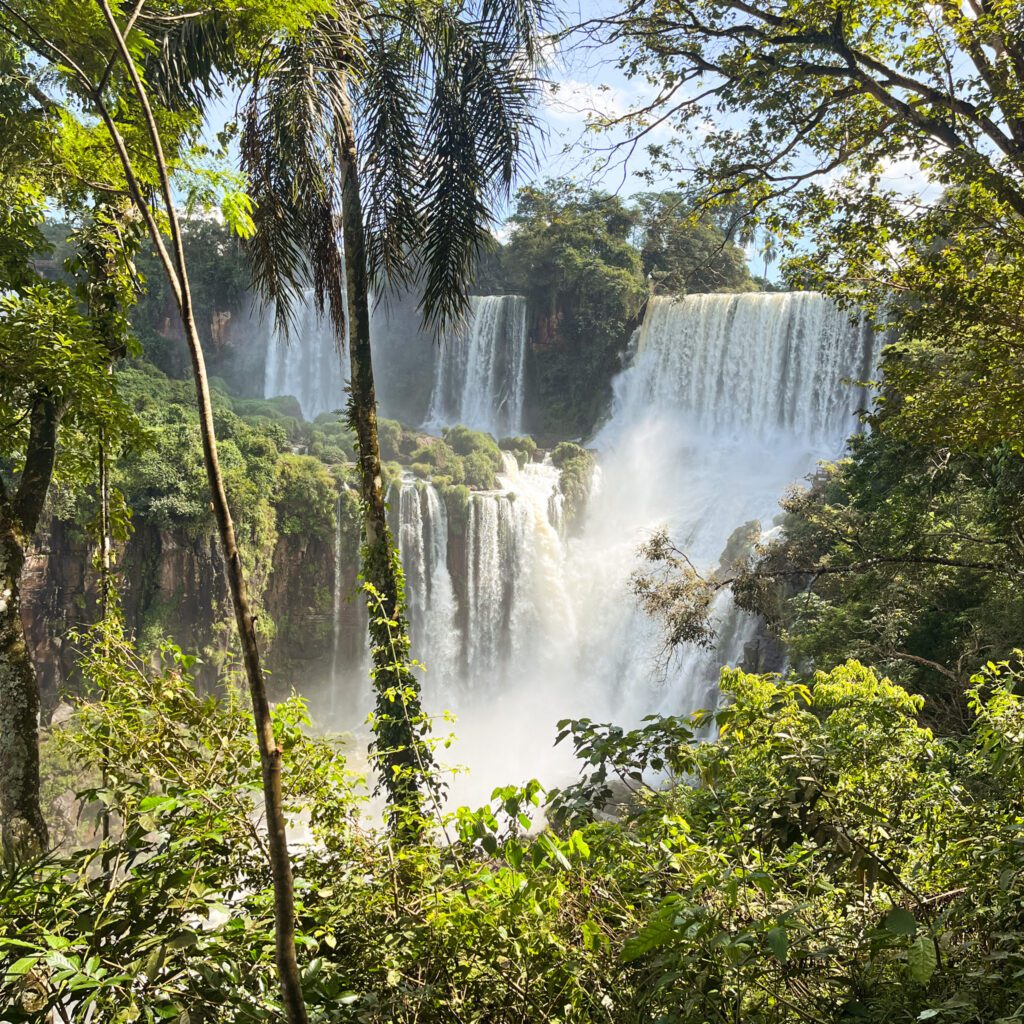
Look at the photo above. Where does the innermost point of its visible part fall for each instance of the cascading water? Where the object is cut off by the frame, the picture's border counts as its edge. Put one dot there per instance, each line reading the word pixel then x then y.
pixel 479 374
pixel 305 364
pixel 729 400
pixel 430 597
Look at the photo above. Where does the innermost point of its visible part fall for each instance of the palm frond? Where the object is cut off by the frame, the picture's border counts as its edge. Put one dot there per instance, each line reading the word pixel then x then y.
pixel 478 124
pixel 390 129
pixel 191 57
pixel 289 153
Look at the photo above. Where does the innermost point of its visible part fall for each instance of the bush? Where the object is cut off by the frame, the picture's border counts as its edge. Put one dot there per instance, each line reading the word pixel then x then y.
pixel 389 437
pixel 480 473
pixel 304 497
pixel 432 451
pixel 468 442
pixel 524 448
pixel 825 858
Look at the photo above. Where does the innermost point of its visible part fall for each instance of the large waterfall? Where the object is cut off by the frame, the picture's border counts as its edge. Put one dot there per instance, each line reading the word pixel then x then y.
pixel 728 401
pixel 306 364
pixel 479 373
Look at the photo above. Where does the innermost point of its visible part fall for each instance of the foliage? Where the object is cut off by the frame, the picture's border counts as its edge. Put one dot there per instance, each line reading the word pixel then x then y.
pixel 807 116
pixel 904 556
pixel 304 497
pixel 570 254
pixel 576 468
pixel 439 96
pixel 164 480
pixel 523 448
pixel 684 251
pixel 586 261
pixel 220 285
pixel 172 912
pixel 824 857
pixel 49 347
pixel 818 868
pixel 481 457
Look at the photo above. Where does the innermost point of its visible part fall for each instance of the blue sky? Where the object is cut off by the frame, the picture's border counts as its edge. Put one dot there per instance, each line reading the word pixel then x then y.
pixel 583 83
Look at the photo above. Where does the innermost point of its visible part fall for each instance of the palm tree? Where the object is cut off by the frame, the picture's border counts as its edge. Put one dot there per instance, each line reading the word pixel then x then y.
pixel 377 152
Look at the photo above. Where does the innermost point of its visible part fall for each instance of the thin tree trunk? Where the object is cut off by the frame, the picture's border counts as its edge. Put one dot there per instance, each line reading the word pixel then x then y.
pixel 402 756
pixel 106 582
pixel 24 831
pixel 270 752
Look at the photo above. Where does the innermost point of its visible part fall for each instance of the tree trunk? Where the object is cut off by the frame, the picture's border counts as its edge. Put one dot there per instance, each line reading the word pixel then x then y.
pixel 24 830
pixel 270 752
pixel 400 750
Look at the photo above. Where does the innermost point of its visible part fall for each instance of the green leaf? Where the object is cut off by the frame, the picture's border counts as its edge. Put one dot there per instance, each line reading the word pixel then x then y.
pixel 22 967
pixel 778 943
pixel 900 922
pixel 922 959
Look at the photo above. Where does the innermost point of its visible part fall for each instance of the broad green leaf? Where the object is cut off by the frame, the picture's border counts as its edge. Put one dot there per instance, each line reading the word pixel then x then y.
pixel 922 959
pixel 900 922
pixel 778 943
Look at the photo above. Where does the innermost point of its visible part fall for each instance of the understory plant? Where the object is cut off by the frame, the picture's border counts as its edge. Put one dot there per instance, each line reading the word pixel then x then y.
pixel 823 858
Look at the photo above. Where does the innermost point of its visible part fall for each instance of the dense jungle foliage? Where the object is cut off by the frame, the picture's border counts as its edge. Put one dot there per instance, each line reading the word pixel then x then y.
pixel 839 842
pixel 825 858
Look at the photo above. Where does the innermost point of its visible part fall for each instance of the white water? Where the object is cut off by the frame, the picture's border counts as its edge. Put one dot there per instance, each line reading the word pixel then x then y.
pixel 730 399
pixel 430 597
pixel 305 365
pixel 480 372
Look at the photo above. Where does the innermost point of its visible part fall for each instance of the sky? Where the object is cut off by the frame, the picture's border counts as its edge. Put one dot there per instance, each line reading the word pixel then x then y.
pixel 583 82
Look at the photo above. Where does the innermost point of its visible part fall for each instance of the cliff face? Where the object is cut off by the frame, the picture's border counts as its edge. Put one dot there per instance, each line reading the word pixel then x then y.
pixel 172 585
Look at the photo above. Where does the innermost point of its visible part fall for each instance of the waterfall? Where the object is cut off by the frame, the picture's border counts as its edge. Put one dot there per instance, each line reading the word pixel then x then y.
pixel 479 373
pixel 306 364
pixel 729 400
pixel 430 597
pixel 736 365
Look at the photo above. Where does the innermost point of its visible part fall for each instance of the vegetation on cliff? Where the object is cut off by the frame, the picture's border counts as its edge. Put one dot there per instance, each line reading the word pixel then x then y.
pixel 587 261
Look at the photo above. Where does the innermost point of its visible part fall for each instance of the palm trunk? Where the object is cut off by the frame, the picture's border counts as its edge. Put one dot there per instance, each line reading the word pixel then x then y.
pixel 400 752
pixel 270 752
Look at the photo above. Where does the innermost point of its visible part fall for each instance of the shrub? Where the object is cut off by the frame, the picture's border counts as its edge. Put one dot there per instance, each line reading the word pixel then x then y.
pixel 480 473
pixel 304 497
pixel 467 442
pixel 389 436
pixel 524 448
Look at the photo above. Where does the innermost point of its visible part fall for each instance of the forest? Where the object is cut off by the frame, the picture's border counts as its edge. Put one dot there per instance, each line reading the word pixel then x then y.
pixel 511 511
